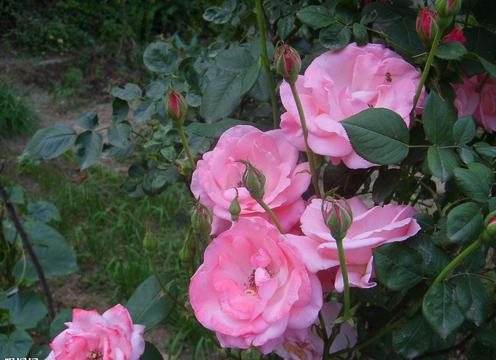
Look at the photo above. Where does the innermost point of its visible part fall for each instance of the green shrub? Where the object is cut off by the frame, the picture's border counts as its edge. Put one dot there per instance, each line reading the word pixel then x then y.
pixel 15 116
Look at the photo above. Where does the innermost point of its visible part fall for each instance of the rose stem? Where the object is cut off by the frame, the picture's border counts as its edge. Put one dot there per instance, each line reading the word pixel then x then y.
pixel 184 141
pixel 271 214
pixel 265 61
pixel 310 154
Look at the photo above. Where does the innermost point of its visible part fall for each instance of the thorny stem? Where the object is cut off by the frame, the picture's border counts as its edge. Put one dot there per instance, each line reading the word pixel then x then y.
pixel 265 61
pixel 309 152
pixel 441 277
pixel 271 214
pixel 161 284
pixel 186 147
pixel 344 272
pixel 425 72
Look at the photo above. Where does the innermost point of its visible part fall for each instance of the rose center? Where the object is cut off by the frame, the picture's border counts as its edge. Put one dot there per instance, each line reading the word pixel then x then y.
pixel 95 355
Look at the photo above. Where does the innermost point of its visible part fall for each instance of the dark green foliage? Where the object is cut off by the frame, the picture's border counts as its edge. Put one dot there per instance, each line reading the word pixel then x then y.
pixel 15 116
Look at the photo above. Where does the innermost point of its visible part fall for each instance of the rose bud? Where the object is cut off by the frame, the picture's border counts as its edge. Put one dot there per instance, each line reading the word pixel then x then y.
pixel 448 8
pixel 338 217
pixel 187 252
pixel 287 62
pixel 201 220
pixel 455 35
pixel 150 242
pixel 254 181
pixel 489 232
pixel 235 208
pixel 176 108
pixel 426 25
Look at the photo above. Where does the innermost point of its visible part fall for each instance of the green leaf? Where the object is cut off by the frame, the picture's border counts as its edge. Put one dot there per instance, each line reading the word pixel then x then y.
pixel 475 182
pixel 335 37
pixel 434 259
pixel 55 261
pixel 285 25
pixel 464 130
pixel 43 211
pixel 144 112
pixel 360 34
pixel 485 149
pixel 15 345
pixel 396 266
pixel 128 93
pixel 15 194
pixel 378 135
pixel 148 305
pixel 472 298
pixel 88 120
pixel 316 16
pixel 412 339
pixel 489 67
pixel 156 89
pixel 214 130
pixel 118 134
pixel 42 234
pixel 50 142
pixel 25 309
pixel 58 323
pixel 234 59
pixel 221 97
pixel 440 309
pixel 219 14
pixel 439 117
pixel 250 76
pixel 385 184
pixel 89 148
pixel 452 50
pixel 464 222
pixel 151 352
pixel 442 162
pixel 120 110
pixel 466 154
pixel 158 58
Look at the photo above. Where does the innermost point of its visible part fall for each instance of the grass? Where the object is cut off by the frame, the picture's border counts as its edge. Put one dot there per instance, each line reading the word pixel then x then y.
pixel 15 116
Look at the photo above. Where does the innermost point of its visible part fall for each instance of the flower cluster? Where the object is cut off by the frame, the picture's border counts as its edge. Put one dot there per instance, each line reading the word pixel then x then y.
pixel 275 253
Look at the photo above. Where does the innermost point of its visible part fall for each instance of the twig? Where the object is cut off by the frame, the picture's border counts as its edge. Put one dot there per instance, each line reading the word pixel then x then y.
pixel 24 236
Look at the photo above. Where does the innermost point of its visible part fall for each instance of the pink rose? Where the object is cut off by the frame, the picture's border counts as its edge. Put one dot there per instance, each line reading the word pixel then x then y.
pixel 340 84
pixel 111 336
pixel 312 347
pixel 486 112
pixel 467 98
pixel 219 174
pixel 478 99
pixel 252 288
pixel 370 229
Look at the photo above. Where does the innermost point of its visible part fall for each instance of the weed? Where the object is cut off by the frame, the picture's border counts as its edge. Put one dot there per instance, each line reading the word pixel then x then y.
pixel 15 116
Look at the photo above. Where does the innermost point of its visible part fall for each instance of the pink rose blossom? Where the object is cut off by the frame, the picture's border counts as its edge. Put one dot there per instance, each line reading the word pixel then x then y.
pixel 312 347
pixel 252 288
pixel 219 174
pixel 110 336
pixel 370 229
pixel 477 99
pixel 467 98
pixel 486 112
pixel 340 84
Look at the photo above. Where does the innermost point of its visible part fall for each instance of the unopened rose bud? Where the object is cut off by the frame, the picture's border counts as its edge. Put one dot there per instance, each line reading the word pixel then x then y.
pixel 338 217
pixel 455 35
pixel 426 26
pixel 201 220
pixel 448 8
pixel 176 108
pixel 254 181
pixel 150 242
pixel 287 62
pixel 235 208
pixel 187 252
pixel 489 233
